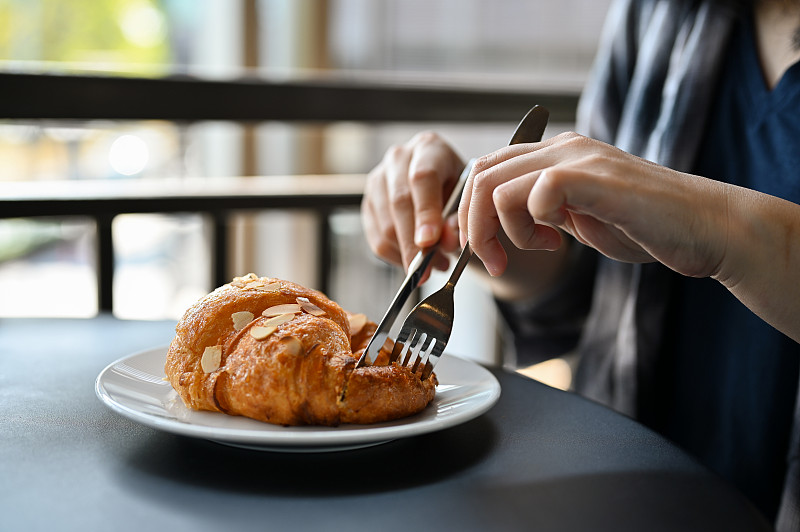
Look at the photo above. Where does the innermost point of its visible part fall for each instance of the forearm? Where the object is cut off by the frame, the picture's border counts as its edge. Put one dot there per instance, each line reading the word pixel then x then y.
pixel 761 265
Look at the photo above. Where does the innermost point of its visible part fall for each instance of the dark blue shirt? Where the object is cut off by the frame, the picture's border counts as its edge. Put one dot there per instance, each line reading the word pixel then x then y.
pixel 727 381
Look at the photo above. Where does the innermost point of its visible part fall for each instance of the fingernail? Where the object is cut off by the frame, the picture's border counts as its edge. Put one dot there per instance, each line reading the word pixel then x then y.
pixel 452 222
pixel 425 235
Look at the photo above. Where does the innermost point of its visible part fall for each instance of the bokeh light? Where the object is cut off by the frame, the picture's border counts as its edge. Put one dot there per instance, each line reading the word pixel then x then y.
pixel 128 155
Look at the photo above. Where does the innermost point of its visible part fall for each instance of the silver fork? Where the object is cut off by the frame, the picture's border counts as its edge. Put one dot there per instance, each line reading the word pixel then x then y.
pixel 427 328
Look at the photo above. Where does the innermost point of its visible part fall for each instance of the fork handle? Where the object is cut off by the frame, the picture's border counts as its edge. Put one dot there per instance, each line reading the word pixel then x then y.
pixel 461 264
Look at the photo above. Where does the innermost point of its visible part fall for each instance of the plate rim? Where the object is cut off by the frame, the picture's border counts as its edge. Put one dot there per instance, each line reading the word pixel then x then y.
pixel 300 438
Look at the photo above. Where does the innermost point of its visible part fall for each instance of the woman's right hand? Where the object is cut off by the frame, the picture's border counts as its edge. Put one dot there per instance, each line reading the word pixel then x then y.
pixel 403 200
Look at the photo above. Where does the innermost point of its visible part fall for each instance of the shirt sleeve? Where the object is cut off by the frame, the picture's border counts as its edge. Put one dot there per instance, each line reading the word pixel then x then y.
pixel 550 326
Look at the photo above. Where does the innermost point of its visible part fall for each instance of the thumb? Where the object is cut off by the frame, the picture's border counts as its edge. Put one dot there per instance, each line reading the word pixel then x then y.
pixel 558 190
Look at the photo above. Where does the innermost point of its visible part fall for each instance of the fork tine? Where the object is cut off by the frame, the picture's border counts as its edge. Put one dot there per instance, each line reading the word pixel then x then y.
pixel 415 365
pixel 425 354
pixel 427 370
pixel 412 346
pixel 400 343
pixel 420 353
pixel 433 358
pixel 396 351
pixel 403 343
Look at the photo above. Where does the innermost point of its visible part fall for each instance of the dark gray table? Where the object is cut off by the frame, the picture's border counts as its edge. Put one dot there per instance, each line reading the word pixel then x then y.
pixel 541 459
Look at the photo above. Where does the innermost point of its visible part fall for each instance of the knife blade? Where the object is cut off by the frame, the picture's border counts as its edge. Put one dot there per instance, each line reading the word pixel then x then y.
pixel 530 129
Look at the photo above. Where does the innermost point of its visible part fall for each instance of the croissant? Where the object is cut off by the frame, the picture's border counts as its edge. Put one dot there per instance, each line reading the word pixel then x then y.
pixel 274 351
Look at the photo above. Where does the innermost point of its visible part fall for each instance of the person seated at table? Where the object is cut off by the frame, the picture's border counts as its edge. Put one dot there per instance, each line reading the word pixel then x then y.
pixel 679 293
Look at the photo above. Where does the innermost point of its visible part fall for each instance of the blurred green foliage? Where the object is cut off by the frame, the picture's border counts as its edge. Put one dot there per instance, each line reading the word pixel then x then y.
pixel 127 35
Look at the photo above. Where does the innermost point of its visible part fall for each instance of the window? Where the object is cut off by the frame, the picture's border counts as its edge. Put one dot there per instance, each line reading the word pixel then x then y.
pixel 162 261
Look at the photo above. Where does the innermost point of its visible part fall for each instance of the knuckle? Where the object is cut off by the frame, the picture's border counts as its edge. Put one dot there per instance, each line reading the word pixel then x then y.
pixel 567 136
pixel 483 163
pixel 401 197
pixel 502 198
pixel 395 152
pixel 428 214
pixel 383 239
pixel 386 235
pixel 425 137
pixel 593 159
pixel 374 176
pixel 421 175
pixel 382 248
pixel 482 182
pixel 574 140
pixel 552 174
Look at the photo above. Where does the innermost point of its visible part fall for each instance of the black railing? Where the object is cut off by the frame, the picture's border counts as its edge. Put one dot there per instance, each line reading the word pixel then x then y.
pixel 183 99
pixel 216 197
pixel 319 99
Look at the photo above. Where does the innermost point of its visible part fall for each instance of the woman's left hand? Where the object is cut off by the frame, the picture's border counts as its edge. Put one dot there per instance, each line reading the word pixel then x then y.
pixel 625 207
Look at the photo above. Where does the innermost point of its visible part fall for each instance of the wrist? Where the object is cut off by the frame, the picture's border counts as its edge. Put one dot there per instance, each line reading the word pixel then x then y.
pixel 762 258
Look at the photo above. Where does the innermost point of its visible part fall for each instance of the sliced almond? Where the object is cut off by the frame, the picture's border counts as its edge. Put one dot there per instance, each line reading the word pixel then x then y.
pixel 277 310
pixel 292 345
pixel 259 333
pixel 244 279
pixel 212 357
pixel 278 320
pixel 271 287
pixel 241 319
pixel 254 283
pixel 357 322
pixel 310 307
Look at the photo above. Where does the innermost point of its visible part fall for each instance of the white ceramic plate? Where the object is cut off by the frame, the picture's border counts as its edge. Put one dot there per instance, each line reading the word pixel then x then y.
pixel 134 387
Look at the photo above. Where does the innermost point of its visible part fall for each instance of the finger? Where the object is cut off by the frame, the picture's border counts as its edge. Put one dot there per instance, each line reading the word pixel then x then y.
pixel 482 164
pixel 448 242
pixel 588 208
pixel 427 174
pixel 511 203
pixel 378 228
pixel 504 164
pixel 481 219
pixel 463 207
pixel 482 227
pixel 400 202
pixel 558 190
pixel 381 247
